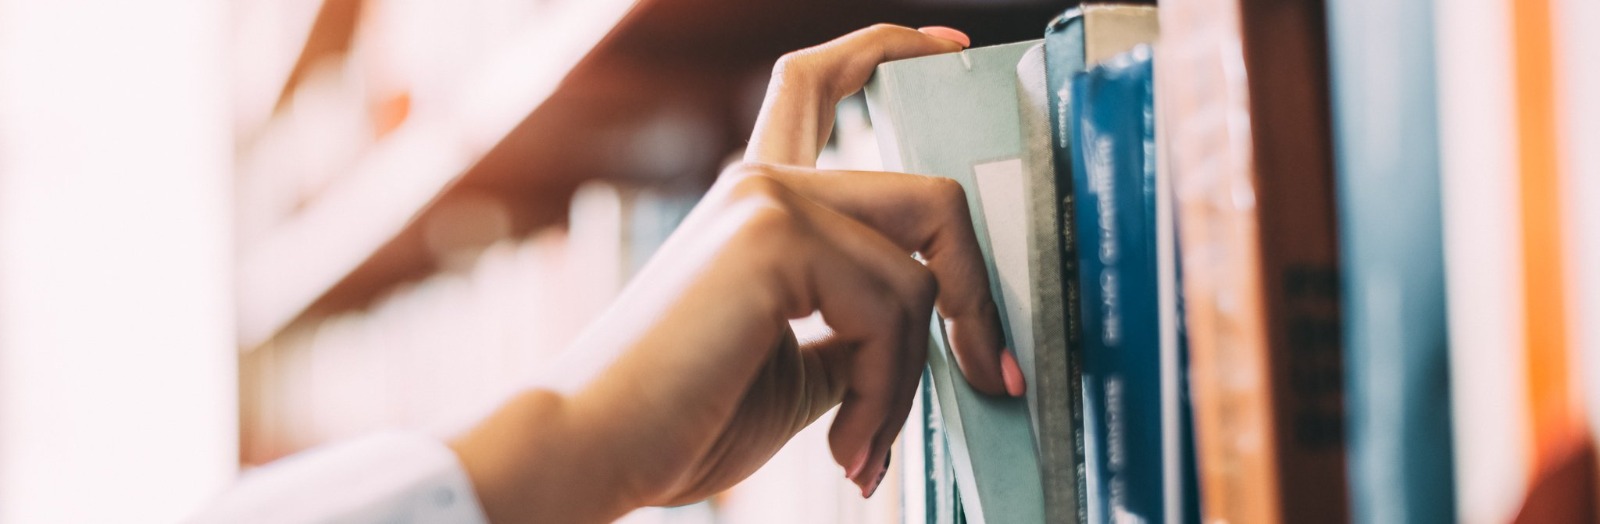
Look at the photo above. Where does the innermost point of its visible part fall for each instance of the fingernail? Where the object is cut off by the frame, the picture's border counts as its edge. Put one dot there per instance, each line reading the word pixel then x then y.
pixel 867 491
pixel 1012 373
pixel 858 465
pixel 939 31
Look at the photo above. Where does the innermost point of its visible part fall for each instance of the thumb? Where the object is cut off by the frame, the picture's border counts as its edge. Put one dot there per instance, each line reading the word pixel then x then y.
pixel 806 85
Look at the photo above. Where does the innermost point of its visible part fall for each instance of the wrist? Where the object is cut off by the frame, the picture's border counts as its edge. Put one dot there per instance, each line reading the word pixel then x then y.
pixel 528 462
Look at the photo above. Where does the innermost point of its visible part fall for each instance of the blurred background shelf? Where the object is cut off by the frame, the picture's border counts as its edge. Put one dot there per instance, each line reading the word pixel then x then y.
pixel 491 140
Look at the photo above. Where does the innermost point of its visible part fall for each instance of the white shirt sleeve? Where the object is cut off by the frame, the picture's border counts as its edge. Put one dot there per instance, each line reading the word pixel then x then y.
pixel 388 478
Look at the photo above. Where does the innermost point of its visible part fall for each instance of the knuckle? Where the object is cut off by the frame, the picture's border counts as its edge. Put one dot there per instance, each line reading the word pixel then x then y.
pixel 796 65
pixel 947 193
pixel 739 170
pixel 756 185
pixel 884 29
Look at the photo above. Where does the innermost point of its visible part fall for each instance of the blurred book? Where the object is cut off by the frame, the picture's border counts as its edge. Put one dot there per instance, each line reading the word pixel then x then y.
pixel 1244 87
pixel 1526 449
pixel 1578 51
pixel 1080 37
pixel 1114 186
pixel 1391 247
pixel 955 116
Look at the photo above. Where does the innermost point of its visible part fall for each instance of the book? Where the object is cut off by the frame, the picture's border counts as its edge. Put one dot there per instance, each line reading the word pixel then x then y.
pixel 1396 339
pixel 1525 449
pixel 1181 491
pixel 1054 397
pixel 1484 297
pixel 1579 48
pixel 1244 88
pixel 955 116
pixel 1101 31
pixel 1561 456
pixel 1114 186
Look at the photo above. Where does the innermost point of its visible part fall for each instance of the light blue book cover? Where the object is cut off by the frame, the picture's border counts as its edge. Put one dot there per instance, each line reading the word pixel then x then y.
pixel 1391 244
pixel 955 116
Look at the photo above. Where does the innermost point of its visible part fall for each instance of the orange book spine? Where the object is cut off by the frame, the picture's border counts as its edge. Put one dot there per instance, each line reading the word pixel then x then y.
pixel 1253 175
pixel 1559 456
pixel 1210 162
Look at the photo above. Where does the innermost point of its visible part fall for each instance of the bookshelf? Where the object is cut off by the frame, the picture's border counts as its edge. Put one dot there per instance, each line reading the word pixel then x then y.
pixel 564 97
pixel 400 175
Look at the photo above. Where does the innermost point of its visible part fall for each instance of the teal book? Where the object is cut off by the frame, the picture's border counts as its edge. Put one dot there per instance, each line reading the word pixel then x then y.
pixel 1114 180
pixel 1081 37
pixel 1386 146
pixel 1063 50
pixel 955 116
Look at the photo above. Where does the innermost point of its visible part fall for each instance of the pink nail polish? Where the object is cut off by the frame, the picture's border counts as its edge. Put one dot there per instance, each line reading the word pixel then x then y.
pixel 859 464
pixel 1012 373
pixel 939 31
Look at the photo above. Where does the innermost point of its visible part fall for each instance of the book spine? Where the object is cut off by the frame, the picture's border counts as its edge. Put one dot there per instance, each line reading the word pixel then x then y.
pixel 1182 483
pixel 1579 45
pixel 1063 59
pixel 1561 480
pixel 1114 177
pixel 1261 261
pixel 1050 387
pixel 1391 245
pixel 1232 417
pixel 1285 44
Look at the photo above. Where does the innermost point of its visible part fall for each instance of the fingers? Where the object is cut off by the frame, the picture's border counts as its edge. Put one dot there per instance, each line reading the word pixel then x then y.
pixel 881 381
pixel 929 216
pixel 877 300
pixel 806 85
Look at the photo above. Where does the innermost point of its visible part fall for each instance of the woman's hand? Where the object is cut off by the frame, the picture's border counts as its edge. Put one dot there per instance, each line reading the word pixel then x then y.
pixel 694 379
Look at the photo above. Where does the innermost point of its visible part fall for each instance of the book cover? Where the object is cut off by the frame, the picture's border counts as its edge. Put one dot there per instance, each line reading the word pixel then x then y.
pixel 1244 87
pixel 955 116
pixel 1391 245
pixel 1114 187
pixel 1053 396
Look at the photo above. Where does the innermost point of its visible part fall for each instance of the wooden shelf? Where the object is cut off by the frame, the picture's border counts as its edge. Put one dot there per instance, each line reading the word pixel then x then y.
pixel 567 101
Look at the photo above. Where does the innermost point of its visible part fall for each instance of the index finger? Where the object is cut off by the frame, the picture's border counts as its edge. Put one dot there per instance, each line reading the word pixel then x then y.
pixel 929 216
pixel 806 85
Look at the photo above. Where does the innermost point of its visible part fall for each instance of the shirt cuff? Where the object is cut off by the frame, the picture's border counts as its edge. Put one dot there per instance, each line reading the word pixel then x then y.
pixel 388 477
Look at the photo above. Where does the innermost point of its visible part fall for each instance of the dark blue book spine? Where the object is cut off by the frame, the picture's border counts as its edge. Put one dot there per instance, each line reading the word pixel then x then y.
pixel 1115 206
pixel 1063 52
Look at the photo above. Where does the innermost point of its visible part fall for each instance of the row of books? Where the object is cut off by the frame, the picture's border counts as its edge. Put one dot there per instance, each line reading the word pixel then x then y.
pixel 1271 261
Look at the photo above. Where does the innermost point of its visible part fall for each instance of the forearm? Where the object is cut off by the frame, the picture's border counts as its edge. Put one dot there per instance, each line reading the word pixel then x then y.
pixel 531 461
